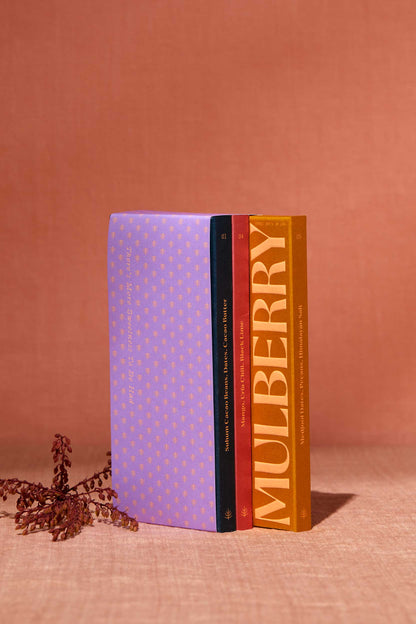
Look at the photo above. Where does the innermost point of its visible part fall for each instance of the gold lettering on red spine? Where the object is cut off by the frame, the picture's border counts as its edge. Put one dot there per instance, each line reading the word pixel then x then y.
pixel 272 461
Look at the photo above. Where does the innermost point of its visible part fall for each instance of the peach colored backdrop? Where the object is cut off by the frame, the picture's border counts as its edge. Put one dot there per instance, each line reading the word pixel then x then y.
pixel 285 106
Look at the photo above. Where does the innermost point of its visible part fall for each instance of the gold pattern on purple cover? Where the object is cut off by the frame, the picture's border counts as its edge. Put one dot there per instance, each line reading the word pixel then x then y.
pixel 161 367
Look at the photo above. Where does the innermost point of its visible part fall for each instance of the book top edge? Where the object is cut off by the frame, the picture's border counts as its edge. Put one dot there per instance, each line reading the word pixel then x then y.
pixel 150 213
pixel 136 213
pixel 280 217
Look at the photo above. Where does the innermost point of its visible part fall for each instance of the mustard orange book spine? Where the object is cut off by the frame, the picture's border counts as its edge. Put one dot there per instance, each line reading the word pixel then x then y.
pixel 279 373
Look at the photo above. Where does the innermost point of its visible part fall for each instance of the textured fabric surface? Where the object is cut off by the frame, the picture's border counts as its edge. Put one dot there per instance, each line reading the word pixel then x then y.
pixel 357 564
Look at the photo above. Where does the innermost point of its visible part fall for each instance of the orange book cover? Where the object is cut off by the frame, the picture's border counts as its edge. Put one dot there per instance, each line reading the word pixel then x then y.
pixel 279 373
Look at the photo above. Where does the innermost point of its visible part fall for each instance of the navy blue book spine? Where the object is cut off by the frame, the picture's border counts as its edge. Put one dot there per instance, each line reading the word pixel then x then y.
pixel 222 338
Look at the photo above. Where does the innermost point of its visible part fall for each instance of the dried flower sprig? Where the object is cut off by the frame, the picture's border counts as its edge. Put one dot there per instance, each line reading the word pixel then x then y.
pixel 61 509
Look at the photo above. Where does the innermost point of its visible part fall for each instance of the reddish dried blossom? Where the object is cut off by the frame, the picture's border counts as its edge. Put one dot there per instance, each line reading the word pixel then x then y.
pixel 61 509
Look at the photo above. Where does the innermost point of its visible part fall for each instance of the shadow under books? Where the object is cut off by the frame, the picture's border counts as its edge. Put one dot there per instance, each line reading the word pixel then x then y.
pixel 324 504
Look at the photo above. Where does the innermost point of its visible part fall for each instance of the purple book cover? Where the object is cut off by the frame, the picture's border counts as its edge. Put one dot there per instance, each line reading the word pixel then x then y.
pixel 163 449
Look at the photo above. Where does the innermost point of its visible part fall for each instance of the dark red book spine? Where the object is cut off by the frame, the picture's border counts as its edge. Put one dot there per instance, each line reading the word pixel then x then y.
pixel 241 343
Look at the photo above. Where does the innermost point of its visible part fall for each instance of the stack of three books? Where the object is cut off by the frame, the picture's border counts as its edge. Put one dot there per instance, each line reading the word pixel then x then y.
pixel 208 359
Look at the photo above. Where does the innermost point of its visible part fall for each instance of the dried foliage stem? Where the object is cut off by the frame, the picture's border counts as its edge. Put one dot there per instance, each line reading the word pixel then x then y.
pixel 61 509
